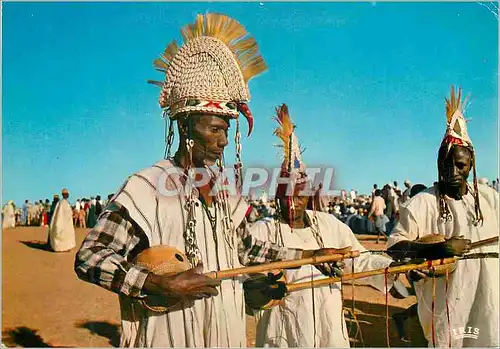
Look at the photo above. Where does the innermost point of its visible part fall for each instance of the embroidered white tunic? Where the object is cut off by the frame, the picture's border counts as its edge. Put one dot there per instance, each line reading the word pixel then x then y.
pixel 313 317
pixel 473 288
pixel 214 322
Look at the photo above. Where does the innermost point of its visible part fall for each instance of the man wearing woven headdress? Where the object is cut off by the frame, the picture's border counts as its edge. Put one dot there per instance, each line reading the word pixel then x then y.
pixel 311 317
pixel 61 230
pixel 205 87
pixel 462 310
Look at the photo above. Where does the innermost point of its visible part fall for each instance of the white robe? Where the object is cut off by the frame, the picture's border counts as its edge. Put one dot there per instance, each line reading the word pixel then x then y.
pixel 9 217
pixel 473 287
pixel 214 322
pixel 313 317
pixel 61 230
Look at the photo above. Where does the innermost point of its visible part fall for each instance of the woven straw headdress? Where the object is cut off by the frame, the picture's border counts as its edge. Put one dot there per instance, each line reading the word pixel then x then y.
pixel 210 71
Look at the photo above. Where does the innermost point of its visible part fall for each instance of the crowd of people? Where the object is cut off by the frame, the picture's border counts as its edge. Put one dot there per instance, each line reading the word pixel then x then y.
pixel 363 213
pixel 39 213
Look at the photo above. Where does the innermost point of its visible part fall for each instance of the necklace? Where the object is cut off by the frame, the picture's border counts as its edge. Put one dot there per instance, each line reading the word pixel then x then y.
pixel 213 224
pixel 313 223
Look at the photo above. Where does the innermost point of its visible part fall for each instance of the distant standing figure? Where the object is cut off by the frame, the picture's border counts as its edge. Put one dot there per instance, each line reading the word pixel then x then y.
pixel 98 206
pixel 53 207
pixel 8 215
pixel 24 217
pixel 91 216
pixel 62 231
pixel 82 217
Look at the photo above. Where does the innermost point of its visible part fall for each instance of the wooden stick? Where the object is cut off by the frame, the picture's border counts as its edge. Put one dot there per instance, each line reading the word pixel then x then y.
pixel 225 274
pixel 483 242
pixel 391 270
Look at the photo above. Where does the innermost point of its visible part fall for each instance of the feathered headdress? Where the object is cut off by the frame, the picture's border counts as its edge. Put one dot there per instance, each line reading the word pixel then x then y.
pixel 292 166
pixel 291 149
pixel 210 71
pixel 456 125
pixel 456 134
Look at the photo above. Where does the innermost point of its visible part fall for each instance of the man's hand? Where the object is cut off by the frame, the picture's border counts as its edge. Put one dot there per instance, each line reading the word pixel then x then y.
pixel 417 275
pixel 260 289
pixel 456 246
pixel 187 285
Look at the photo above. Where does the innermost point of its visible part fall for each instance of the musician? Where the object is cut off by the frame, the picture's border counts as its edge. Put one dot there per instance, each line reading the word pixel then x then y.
pixel 311 317
pixel 466 303
pixel 205 87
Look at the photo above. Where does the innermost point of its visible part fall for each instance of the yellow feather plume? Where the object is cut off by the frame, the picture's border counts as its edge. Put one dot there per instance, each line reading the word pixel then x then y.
pixel 284 130
pixel 230 32
pixel 453 104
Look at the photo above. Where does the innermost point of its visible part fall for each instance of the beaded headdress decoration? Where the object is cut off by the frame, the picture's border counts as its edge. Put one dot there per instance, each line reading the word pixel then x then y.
pixel 456 134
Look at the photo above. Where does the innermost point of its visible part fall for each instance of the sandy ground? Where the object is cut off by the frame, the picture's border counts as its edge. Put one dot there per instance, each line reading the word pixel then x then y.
pixel 44 304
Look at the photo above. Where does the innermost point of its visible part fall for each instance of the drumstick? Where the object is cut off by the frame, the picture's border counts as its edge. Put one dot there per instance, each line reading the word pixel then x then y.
pixel 229 273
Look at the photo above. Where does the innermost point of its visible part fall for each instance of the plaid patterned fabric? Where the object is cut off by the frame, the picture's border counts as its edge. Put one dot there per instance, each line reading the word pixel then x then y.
pixel 106 253
pixel 251 250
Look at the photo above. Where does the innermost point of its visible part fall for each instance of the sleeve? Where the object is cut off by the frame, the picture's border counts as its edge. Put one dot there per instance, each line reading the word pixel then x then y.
pixel 365 262
pixel 406 228
pixel 253 250
pixel 103 259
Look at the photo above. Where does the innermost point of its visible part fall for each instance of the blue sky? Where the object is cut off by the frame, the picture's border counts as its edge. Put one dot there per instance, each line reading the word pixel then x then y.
pixel 365 84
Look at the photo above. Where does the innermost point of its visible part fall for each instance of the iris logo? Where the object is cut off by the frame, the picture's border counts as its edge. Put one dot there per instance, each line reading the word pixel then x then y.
pixel 466 332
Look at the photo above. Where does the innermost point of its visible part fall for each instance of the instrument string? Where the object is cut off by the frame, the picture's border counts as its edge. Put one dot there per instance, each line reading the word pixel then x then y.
pixel 386 275
pixel 447 280
pixel 433 328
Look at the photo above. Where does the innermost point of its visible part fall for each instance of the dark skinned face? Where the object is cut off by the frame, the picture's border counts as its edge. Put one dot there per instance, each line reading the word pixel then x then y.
pixel 210 138
pixel 454 170
pixel 299 208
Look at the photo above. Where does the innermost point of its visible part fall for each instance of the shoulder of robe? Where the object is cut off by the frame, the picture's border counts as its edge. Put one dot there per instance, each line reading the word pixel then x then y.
pixel 490 195
pixel 154 172
pixel 147 178
pixel 423 202
pixel 327 218
pixel 264 223
pixel 261 228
